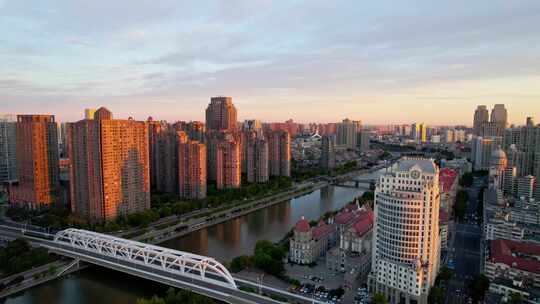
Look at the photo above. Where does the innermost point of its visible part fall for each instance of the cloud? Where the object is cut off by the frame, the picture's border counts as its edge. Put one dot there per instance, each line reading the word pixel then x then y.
pixel 266 52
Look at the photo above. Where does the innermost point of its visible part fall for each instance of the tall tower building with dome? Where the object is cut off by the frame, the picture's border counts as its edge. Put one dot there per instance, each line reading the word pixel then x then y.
pixel 406 247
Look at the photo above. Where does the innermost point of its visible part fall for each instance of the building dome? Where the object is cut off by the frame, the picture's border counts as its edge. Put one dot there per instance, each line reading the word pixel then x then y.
pixel 498 158
pixel 302 225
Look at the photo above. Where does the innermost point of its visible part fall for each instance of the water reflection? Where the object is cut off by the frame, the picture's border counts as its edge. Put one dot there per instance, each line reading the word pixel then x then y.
pixel 236 237
pixel 223 241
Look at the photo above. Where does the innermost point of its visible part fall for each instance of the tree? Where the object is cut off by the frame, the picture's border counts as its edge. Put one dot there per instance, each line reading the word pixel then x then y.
pixel 445 274
pixel 240 263
pixel 379 298
pixel 436 295
pixel 478 287
pixel 466 180
pixel 153 300
pixel 460 206
pixel 515 298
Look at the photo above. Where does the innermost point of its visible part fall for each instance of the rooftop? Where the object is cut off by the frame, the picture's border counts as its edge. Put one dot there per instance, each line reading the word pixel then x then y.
pixel 447 177
pixel 519 255
pixel 364 223
pixel 302 225
pixel 322 230
pixel 407 163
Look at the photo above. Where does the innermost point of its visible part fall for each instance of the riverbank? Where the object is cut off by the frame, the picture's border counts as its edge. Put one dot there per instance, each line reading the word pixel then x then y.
pixel 222 241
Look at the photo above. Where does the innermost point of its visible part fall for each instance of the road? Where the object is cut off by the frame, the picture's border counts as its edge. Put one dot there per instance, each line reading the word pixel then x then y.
pixel 465 245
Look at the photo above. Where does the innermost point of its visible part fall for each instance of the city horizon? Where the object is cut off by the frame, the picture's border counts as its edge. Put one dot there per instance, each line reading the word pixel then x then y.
pixel 367 62
pixel 242 119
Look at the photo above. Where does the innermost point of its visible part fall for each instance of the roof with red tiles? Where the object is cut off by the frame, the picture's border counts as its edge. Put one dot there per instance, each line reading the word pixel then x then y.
pixel 322 230
pixel 364 223
pixel 344 217
pixel 513 254
pixel 447 177
pixel 302 225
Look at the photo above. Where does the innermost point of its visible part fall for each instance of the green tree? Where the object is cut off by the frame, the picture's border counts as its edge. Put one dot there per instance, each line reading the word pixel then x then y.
pixel 152 300
pixel 445 274
pixel 478 287
pixel 460 206
pixel 379 298
pixel 515 298
pixel 466 180
pixel 436 295
pixel 240 263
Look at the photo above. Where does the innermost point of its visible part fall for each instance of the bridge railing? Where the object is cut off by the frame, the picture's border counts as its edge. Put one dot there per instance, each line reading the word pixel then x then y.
pixel 172 261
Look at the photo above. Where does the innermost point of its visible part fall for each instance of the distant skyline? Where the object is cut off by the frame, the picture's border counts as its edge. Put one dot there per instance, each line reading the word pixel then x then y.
pixel 312 61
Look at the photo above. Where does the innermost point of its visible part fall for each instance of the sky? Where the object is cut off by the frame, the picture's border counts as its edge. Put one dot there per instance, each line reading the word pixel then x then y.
pixel 312 61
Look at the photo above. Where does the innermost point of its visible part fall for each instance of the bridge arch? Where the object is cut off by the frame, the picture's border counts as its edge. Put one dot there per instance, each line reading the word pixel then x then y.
pixel 171 261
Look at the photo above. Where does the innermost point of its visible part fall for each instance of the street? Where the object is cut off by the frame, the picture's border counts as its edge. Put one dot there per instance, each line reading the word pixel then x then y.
pixel 465 243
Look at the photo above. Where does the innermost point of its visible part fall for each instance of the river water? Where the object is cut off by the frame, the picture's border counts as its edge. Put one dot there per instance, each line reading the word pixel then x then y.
pixel 223 242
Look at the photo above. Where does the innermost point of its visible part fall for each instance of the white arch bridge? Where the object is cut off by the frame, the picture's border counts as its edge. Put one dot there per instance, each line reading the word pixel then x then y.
pixel 201 274
pixel 168 260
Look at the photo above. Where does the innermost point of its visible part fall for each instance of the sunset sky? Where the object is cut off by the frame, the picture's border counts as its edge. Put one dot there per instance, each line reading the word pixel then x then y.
pixel 321 61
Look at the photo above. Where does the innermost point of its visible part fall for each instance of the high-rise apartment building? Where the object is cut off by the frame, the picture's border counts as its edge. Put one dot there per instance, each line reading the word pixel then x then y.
pixel 191 168
pixel 499 115
pixel 328 153
pixel 228 163
pixel 252 125
pixel 492 129
pixel 525 140
pixel 166 158
pixel 346 133
pixel 481 152
pixel 109 173
pixel 363 141
pixel 279 153
pixel 405 258
pixel 221 114
pixel 481 115
pixel 196 131
pixel 509 178
pixel 256 158
pixel 525 187
pixel 523 148
pixel 419 132
pixel 154 129
pixel 8 142
pixel 37 161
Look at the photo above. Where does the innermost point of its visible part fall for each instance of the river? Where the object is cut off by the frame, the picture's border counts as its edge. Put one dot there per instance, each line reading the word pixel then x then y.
pixel 223 242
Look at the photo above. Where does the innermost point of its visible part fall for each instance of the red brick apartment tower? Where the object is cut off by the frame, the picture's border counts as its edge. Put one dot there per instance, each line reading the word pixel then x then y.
pixel 228 163
pixel 37 161
pixel 191 168
pixel 110 167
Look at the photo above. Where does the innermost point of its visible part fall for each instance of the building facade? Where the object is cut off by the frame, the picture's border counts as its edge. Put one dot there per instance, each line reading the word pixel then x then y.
pixel 309 243
pixel 406 255
pixel 228 163
pixel 346 133
pixel 481 115
pixel 109 173
pixel 8 144
pixel 328 152
pixel 221 114
pixel 256 158
pixel 279 153
pixel 37 161
pixel 191 168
